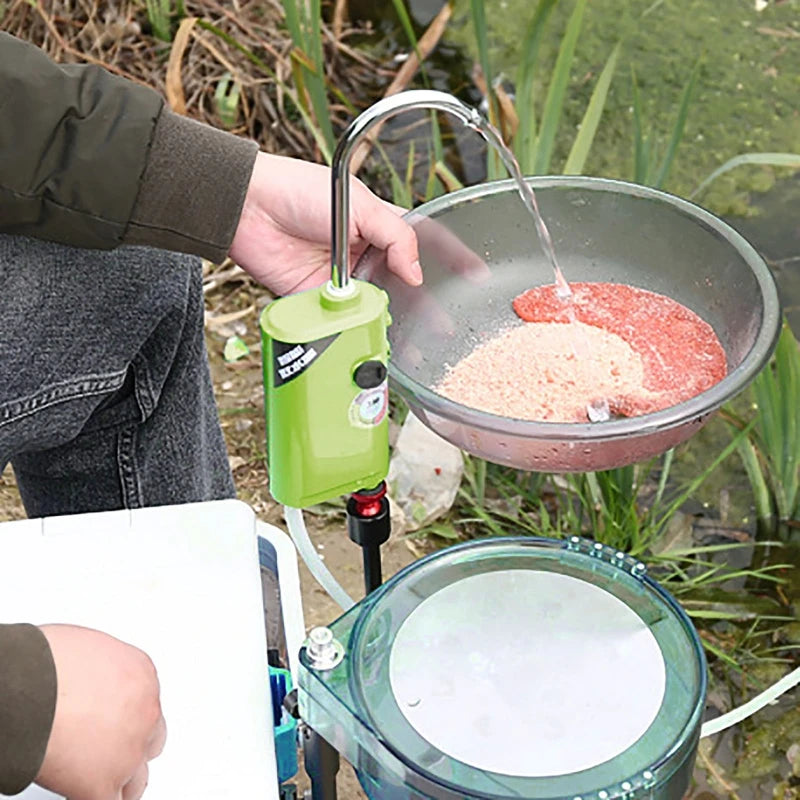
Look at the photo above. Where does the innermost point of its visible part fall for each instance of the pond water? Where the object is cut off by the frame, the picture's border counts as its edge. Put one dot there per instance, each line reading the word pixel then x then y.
pixel 747 97
pixel 774 230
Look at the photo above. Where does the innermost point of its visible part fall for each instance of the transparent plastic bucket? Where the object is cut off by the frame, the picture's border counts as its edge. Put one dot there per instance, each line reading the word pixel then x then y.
pixel 514 668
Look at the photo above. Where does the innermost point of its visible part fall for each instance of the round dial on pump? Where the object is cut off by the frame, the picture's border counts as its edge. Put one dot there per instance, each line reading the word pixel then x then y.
pixel 370 374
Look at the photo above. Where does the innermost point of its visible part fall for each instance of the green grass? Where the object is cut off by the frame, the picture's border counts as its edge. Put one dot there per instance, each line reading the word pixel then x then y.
pixel 304 23
pixel 539 121
pixel 628 508
pixel 160 16
pixel 226 100
pixel 771 452
pixel 646 167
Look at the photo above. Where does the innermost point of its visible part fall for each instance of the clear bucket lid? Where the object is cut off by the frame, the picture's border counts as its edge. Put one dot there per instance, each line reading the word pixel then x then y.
pixel 526 668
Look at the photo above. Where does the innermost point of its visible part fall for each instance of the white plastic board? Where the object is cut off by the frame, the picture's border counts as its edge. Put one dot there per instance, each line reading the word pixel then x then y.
pixel 182 583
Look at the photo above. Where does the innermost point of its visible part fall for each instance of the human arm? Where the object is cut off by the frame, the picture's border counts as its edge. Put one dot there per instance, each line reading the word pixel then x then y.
pixel 93 160
pixel 82 727
pixel 27 704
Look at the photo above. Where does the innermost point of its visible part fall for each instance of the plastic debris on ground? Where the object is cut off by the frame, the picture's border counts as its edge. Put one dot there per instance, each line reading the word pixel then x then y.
pixel 424 475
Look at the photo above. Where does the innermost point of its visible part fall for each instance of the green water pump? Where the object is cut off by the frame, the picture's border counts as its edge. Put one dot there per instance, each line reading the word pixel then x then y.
pixel 325 373
pixel 326 353
pixel 325 357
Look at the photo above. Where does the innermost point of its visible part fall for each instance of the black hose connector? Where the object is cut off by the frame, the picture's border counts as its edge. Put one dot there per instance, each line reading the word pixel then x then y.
pixel 369 526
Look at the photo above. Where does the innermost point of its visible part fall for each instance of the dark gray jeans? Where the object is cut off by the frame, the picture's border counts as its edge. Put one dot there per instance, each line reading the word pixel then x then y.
pixel 105 395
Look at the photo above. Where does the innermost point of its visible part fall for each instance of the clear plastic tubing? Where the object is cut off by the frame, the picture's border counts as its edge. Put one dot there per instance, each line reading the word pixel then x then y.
pixel 309 554
pixel 323 576
pixel 749 708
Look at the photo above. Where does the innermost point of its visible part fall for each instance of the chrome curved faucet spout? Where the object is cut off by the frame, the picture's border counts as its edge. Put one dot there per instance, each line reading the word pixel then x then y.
pixel 357 130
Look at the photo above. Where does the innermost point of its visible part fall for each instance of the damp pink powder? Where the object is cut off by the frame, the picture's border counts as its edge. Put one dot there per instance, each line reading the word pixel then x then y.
pixel 639 351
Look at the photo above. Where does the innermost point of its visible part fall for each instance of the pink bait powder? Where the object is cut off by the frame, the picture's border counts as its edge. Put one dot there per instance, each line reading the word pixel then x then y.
pixel 638 350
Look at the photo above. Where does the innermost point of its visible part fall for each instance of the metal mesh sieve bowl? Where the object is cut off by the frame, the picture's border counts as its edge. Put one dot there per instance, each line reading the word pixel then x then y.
pixel 479 250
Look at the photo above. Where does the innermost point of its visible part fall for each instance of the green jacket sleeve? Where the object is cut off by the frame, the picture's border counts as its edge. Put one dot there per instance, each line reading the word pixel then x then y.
pixel 27 704
pixel 92 160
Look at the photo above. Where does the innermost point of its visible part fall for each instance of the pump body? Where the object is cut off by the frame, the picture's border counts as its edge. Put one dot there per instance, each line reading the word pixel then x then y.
pixel 327 400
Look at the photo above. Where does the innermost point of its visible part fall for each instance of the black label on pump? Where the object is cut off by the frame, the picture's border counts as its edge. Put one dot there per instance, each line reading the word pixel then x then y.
pixel 290 359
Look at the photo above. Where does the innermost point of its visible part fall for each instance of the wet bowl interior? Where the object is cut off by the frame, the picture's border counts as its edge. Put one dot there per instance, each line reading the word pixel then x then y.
pixel 479 250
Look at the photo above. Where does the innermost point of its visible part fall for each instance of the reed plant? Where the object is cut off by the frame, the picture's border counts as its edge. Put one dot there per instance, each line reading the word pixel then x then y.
pixel 532 131
pixel 789 161
pixel 516 116
pixel 304 22
pixel 630 508
pixel 771 451
pixel 648 168
pixel 403 188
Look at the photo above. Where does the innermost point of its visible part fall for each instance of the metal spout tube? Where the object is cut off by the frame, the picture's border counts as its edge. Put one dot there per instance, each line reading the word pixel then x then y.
pixel 340 168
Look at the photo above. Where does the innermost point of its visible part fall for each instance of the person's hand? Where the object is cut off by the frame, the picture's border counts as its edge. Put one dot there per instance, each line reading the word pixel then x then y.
pixel 283 236
pixel 108 721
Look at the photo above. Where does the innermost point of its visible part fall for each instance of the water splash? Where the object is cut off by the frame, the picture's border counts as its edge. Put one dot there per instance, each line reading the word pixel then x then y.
pixel 598 410
pixel 493 137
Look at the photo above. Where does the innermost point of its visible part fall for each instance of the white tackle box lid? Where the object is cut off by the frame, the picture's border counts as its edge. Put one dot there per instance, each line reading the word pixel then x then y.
pixel 182 583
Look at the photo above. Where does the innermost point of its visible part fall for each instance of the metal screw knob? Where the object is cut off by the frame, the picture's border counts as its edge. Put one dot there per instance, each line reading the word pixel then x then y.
pixel 324 652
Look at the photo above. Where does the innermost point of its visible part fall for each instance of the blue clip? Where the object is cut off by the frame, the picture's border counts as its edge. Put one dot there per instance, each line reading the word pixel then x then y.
pixel 284 725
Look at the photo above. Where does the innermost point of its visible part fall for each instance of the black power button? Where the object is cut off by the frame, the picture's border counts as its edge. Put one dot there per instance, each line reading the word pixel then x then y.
pixel 370 374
